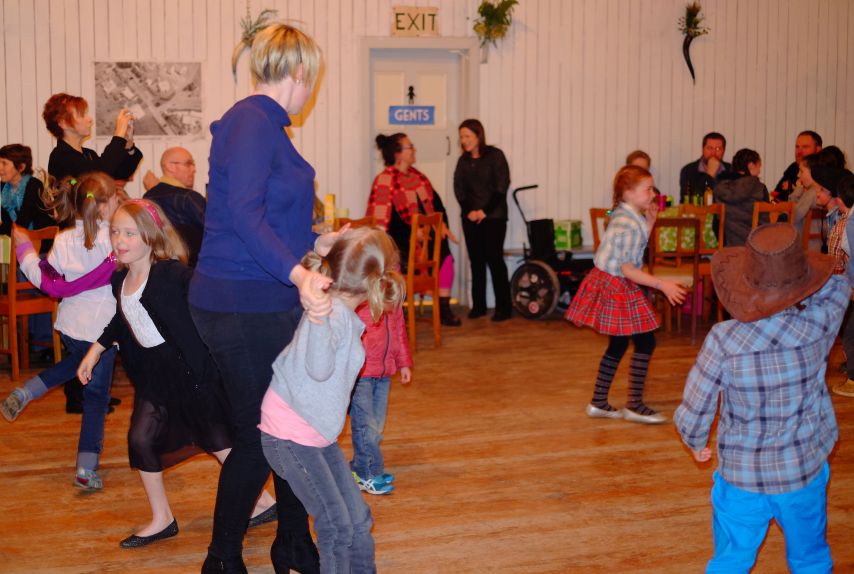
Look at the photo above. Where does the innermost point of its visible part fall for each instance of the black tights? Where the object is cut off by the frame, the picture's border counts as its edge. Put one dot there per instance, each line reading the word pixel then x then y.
pixel 617 346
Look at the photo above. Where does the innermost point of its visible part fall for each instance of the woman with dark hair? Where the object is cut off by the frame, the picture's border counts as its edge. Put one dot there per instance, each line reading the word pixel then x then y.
pixel 21 192
pixel 399 191
pixel 67 118
pixel 480 184
pixel 738 191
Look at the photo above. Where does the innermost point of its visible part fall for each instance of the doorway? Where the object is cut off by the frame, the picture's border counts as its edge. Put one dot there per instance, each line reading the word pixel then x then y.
pixel 425 72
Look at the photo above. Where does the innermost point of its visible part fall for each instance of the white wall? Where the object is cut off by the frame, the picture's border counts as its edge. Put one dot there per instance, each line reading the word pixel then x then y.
pixel 574 87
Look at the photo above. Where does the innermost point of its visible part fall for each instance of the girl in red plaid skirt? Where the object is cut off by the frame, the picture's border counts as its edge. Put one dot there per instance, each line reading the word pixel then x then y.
pixel 610 301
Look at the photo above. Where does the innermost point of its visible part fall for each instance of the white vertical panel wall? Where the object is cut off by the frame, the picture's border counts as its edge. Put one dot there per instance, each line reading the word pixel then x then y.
pixel 574 86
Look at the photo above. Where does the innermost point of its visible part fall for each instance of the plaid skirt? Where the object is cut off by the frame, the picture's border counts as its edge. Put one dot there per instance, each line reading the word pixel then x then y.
pixel 611 306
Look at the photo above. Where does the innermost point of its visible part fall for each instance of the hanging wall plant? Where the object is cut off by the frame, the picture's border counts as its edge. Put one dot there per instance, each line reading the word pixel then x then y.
pixel 495 19
pixel 691 27
pixel 250 28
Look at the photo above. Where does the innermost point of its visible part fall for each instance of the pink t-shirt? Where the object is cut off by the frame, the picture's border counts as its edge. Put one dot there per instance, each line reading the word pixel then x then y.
pixel 278 419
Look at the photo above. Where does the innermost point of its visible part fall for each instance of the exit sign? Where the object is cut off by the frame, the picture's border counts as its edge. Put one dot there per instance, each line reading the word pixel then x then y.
pixel 414 21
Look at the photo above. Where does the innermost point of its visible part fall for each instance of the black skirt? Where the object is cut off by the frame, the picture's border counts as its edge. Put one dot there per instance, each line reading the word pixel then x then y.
pixel 176 414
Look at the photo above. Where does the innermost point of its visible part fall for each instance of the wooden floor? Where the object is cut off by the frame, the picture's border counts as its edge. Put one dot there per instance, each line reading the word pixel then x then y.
pixel 498 471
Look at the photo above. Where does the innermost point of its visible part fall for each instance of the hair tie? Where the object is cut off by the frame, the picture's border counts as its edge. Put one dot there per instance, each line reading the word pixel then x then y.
pixel 149 207
pixel 90 195
pixel 72 181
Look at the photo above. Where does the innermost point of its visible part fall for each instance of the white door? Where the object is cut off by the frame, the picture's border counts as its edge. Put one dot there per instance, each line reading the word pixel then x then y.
pixel 424 78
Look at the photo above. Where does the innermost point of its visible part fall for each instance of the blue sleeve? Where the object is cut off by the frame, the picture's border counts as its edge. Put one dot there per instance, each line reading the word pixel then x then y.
pixel 250 165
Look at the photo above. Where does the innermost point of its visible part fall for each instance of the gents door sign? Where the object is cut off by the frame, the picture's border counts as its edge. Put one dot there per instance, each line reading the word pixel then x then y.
pixel 412 115
pixel 414 21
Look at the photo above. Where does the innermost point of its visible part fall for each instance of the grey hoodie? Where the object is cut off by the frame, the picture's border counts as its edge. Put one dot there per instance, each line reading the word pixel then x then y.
pixel 316 372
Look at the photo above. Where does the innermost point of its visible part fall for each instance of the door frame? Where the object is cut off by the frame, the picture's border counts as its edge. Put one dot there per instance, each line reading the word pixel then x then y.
pixel 469 51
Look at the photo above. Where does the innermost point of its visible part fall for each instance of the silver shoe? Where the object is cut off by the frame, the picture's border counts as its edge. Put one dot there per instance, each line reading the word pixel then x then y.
pixel 597 413
pixel 88 479
pixel 653 419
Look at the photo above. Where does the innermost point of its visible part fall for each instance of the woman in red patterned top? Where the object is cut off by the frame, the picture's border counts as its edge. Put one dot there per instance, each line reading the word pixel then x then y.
pixel 398 192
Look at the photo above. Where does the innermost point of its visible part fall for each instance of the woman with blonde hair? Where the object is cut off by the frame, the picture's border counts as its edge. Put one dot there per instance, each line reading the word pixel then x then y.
pixel 246 292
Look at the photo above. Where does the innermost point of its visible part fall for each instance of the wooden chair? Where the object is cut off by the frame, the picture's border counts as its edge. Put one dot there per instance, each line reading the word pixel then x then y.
pixel 812 237
pixel 701 212
pixel 16 303
pixel 367 221
pixel 681 265
pixel 598 216
pixel 774 211
pixel 422 269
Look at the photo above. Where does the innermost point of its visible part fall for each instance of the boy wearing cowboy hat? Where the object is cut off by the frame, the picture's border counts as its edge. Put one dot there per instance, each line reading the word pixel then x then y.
pixel 777 425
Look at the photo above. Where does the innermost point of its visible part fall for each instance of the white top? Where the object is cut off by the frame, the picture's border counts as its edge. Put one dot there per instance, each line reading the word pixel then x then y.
pixel 141 325
pixel 83 316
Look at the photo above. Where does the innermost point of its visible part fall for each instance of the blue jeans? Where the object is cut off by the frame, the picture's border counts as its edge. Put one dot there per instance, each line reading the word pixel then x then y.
pixel 367 420
pixel 322 480
pixel 740 523
pixel 96 394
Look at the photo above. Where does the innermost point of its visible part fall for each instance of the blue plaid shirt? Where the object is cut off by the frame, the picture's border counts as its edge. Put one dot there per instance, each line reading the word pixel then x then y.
pixel 777 424
pixel 624 241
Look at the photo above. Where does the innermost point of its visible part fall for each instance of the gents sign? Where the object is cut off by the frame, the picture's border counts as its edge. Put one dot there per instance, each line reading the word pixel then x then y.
pixel 412 115
pixel 414 21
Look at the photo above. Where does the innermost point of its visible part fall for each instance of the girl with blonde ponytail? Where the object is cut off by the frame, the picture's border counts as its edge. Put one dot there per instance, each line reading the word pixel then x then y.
pixel 304 409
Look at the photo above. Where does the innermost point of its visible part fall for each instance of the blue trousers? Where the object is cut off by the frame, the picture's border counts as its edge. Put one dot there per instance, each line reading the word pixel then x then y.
pixel 740 523
pixel 367 419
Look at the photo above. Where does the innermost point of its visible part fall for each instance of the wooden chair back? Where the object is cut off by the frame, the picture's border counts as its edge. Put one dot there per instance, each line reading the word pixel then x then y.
pixel 814 232
pixel 367 221
pixel 599 219
pixel 422 269
pixel 701 212
pixel 16 303
pixel 681 265
pixel 774 211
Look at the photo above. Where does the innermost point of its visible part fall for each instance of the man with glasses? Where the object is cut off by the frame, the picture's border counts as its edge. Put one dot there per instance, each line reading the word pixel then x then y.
pixel 699 175
pixel 174 194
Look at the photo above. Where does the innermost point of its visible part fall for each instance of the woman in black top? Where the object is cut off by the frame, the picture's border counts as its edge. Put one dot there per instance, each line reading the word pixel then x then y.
pixel 480 184
pixel 67 118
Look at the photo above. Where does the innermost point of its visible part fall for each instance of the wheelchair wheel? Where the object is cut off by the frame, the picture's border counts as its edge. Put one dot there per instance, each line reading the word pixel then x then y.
pixel 534 289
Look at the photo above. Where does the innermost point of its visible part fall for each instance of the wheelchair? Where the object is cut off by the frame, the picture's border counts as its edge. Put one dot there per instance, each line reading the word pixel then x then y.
pixel 547 279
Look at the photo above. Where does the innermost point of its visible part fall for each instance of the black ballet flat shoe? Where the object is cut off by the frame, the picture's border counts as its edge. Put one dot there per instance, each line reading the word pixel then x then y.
pixel 295 553
pixel 214 565
pixel 477 313
pixel 115 401
pixel 268 515
pixel 134 541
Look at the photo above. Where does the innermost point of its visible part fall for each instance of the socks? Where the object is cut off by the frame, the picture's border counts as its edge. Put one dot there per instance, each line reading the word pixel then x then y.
pixel 604 378
pixel 36 388
pixel 637 379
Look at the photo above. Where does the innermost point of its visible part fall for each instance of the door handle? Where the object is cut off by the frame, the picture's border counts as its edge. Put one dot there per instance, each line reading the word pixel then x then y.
pixel 448 138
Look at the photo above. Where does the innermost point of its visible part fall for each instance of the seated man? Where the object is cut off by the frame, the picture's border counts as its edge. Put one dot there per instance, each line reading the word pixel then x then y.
pixel 703 174
pixel 174 194
pixel 807 143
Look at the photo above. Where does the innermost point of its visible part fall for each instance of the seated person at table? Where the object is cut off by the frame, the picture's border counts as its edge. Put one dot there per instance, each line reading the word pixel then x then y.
pixel 739 190
pixel 807 143
pixel 703 173
pixel 806 195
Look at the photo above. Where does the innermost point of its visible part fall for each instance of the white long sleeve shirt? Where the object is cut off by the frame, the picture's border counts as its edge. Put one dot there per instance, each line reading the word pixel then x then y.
pixel 83 316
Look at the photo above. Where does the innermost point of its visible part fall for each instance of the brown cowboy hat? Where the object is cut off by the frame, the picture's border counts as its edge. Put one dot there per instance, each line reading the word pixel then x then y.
pixel 770 273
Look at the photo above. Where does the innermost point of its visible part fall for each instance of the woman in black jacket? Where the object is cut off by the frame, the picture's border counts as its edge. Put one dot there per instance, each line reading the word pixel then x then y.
pixel 67 118
pixel 480 184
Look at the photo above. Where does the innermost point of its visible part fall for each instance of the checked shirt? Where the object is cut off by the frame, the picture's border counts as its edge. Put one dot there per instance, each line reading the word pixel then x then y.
pixel 777 424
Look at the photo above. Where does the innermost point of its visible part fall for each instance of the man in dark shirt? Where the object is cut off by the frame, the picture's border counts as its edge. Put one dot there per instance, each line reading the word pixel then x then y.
pixel 807 143
pixel 703 173
pixel 174 194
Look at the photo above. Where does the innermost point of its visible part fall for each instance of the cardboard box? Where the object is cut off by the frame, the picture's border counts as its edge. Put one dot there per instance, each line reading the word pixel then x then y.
pixel 567 234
